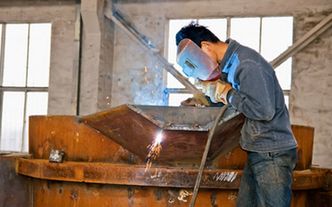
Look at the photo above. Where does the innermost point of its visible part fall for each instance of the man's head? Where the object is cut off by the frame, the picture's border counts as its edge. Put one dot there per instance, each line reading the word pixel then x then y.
pixel 199 52
pixel 203 38
pixel 196 33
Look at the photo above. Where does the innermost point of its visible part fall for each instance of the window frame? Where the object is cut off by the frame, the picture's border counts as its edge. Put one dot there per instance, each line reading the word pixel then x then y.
pixel 170 91
pixel 25 89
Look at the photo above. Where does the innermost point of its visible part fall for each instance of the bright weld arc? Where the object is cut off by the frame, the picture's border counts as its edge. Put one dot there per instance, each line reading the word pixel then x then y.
pixel 159 138
pixel 154 150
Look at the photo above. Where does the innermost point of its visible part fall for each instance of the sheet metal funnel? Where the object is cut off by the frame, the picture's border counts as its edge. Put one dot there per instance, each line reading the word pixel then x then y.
pixel 184 129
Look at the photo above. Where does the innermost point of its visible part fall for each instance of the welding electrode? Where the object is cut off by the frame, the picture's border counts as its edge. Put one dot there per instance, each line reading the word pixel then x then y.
pixel 206 150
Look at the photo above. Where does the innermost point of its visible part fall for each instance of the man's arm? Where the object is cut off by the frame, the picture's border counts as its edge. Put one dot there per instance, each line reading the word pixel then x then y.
pixel 255 98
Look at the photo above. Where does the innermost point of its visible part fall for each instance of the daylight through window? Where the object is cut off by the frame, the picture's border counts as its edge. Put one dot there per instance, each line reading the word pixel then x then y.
pixel 269 36
pixel 24 77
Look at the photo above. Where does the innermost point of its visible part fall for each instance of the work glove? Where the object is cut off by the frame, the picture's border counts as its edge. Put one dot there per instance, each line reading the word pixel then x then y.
pixel 216 90
pixel 198 100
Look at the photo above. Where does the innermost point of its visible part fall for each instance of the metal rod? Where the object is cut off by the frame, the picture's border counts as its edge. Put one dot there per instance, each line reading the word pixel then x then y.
pixel 2 60
pixel 119 20
pixel 79 46
pixel 304 41
pixel 26 93
pixel 206 151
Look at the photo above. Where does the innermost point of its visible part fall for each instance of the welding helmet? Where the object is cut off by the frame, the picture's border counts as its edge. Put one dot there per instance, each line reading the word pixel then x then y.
pixel 195 63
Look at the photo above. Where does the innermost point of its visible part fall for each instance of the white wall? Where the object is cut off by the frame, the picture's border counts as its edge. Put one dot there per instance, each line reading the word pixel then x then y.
pixel 64 52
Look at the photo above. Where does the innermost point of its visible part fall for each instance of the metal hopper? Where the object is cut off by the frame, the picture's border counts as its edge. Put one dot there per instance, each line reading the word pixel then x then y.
pixel 185 130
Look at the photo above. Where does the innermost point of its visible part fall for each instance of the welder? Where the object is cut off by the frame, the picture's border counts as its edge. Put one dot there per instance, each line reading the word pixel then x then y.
pixel 233 74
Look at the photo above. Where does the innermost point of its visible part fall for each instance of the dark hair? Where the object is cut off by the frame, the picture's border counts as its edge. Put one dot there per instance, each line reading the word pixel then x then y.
pixel 197 33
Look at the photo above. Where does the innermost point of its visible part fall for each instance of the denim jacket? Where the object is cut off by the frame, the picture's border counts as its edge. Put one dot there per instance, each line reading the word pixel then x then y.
pixel 257 94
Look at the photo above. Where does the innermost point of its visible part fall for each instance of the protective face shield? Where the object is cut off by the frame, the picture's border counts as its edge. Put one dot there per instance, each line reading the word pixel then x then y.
pixel 195 63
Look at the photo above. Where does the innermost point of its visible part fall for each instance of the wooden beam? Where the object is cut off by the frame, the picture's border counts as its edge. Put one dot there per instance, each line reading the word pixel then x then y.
pixel 135 175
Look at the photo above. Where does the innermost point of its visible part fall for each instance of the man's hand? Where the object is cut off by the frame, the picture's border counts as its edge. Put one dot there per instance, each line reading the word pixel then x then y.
pixel 222 90
pixel 192 102
pixel 216 90
pixel 198 100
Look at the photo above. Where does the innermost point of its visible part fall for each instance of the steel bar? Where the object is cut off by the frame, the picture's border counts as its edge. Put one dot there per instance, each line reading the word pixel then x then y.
pixel 119 20
pixel 304 41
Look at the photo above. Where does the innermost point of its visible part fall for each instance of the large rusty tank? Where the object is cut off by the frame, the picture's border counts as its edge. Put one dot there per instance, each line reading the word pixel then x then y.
pixel 104 158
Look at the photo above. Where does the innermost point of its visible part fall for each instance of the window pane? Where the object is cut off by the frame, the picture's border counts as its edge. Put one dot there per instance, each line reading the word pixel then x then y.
pixel 174 27
pixel 39 54
pixel 16 42
pixel 36 105
pixel 277 36
pixel 246 31
pixel 287 101
pixel 217 26
pixel 284 74
pixel 175 99
pixel 12 121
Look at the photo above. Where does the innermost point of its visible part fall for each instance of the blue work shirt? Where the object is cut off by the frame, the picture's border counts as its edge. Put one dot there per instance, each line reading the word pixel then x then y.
pixel 258 96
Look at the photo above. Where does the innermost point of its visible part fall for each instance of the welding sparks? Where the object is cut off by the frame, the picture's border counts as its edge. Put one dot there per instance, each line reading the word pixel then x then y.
pixel 154 150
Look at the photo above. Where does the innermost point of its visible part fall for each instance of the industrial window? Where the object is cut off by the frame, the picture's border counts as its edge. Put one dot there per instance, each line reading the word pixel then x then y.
pixel 269 36
pixel 24 77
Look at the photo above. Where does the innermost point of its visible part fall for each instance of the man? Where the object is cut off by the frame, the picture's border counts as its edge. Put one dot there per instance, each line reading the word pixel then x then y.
pixel 248 83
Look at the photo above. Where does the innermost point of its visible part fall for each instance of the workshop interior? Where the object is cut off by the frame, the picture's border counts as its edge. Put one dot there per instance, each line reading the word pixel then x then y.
pixel 92 98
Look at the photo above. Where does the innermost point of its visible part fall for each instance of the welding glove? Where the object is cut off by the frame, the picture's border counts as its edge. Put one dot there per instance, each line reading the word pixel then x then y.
pixel 216 90
pixel 198 100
